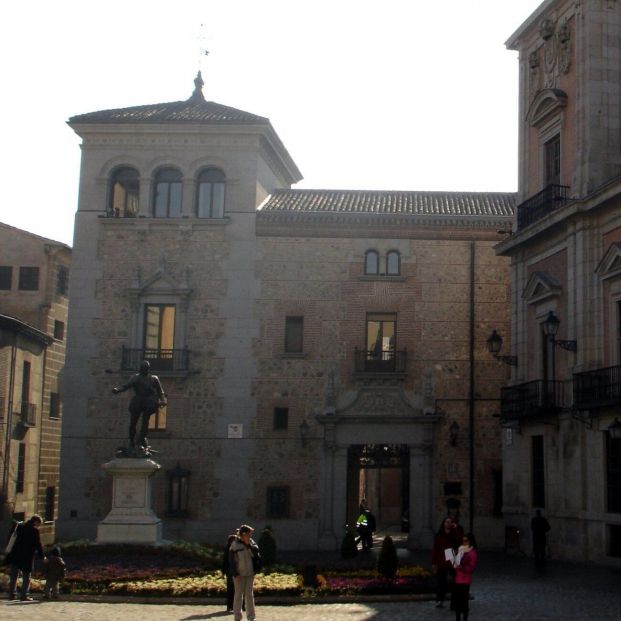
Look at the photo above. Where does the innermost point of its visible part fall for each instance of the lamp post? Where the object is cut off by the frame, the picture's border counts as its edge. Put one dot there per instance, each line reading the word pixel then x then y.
pixel 494 345
pixel 614 429
pixel 550 328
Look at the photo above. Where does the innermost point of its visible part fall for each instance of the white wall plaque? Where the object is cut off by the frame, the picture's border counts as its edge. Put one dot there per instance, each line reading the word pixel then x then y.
pixel 236 431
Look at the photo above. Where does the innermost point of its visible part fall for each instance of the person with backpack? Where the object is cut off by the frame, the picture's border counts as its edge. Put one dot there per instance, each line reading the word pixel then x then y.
pixel 23 541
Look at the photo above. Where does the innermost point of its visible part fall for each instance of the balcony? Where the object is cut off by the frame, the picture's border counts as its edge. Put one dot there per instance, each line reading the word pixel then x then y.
pixel 169 361
pixel 27 414
pixel 598 388
pixel 535 399
pixel 385 362
pixel 541 204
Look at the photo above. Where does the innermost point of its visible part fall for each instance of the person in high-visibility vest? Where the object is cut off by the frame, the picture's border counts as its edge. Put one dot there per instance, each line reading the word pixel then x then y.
pixel 365 525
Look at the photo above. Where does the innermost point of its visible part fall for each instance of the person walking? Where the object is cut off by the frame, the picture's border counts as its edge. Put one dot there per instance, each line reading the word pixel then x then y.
pixel 227 572
pixel 243 555
pixel 365 525
pixel 540 528
pixel 448 537
pixel 55 570
pixel 20 558
pixel 465 563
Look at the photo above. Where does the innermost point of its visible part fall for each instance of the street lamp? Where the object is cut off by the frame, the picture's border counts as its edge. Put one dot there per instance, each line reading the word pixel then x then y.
pixel 550 328
pixel 494 345
pixel 614 429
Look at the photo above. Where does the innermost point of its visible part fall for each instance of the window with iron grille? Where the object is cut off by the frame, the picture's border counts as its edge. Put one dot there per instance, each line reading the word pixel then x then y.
pixel 62 280
pixel 21 468
pixel 6 277
pixel 59 330
pixel 50 501
pixel 277 502
pixel 613 473
pixel 294 335
pixel 54 405
pixel 538 472
pixel 281 418
pixel 28 278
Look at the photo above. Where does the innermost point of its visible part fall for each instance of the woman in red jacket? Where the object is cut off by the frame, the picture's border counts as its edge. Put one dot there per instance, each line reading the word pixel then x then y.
pixel 465 564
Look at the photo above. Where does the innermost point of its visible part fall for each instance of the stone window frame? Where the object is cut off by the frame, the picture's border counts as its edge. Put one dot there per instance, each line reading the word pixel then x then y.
pixel 197 183
pixel 609 270
pixel 163 289
pixel 113 175
pixel 159 177
pixel 270 503
pixel 367 255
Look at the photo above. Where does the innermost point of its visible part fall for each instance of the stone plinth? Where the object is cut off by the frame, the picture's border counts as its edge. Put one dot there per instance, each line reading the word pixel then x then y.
pixel 131 519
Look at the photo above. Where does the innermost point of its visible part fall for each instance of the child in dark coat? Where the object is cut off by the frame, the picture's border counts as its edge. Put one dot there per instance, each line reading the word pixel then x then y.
pixel 54 572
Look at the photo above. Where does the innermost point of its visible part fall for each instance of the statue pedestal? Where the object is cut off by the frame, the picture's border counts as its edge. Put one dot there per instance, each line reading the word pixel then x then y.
pixel 131 519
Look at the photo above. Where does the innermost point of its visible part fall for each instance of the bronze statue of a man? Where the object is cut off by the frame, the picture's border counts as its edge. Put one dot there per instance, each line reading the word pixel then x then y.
pixel 148 397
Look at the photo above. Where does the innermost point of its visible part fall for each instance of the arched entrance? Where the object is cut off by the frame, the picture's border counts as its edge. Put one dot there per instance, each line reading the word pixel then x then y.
pixel 381 474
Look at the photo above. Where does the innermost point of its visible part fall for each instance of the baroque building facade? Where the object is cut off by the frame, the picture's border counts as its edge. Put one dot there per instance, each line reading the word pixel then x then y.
pixel 562 442
pixel 316 346
pixel 34 280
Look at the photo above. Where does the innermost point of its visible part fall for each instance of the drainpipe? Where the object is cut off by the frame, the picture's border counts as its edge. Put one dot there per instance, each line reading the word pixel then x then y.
pixel 471 395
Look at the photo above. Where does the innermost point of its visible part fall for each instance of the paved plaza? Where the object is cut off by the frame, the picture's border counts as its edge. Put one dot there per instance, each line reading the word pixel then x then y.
pixel 505 589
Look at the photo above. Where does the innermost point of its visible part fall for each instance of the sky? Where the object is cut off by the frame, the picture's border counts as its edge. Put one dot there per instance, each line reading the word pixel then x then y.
pixel 391 95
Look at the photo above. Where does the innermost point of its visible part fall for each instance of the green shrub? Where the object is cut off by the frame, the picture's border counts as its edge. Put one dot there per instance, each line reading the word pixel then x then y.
pixel 388 562
pixel 267 546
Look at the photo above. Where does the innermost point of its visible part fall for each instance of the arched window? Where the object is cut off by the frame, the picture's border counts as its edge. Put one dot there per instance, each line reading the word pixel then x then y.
pixel 167 197
pixel 210 194
pixel 393 263
pixel 371 262
pixel 124 193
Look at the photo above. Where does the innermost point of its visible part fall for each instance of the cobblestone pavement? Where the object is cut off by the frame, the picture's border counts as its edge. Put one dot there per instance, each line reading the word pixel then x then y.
pixel 504 589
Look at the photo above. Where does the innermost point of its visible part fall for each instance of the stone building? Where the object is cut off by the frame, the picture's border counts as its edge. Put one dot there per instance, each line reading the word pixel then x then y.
pixel 562 446
pixel 317 346
pixel 34 279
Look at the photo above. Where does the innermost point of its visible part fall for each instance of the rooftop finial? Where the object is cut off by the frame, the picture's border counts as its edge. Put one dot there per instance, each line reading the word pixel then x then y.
pixel 197 95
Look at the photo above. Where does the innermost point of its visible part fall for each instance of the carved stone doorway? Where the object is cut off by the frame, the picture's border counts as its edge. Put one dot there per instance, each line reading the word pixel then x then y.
pixel 381 474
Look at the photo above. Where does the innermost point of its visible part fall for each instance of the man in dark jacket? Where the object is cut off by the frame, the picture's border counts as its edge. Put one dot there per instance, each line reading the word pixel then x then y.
pixel 21 555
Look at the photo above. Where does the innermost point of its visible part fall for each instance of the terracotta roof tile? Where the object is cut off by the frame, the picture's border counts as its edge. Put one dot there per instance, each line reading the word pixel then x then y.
pixel 189 111
pixel 480 204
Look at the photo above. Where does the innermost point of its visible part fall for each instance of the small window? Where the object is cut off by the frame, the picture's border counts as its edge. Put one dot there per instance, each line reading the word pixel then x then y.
pixel 294 332
pixel 371 262
pixel 393 263
pixel 552 161
pixel 281 418
pixel 613 473
pixel 277 502
pixel 538 472
pixel 210 195
pixel 167 199
pixel 59 330
pixel 21 468
pixel 614 540
pixel 124 193
pixel 6 277
pixel 50 502
pixel 28 278
pixel 54 405
pixel 159 336
pixel 62 280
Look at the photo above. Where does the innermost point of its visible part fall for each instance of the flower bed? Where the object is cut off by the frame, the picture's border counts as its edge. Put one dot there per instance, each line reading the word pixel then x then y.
pixel 192 570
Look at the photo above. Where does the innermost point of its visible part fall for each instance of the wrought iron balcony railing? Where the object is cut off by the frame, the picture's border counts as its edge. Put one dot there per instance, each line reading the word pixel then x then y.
pixel 532 399
pixel 161 360
pixel 597 388
pixel 27 414
pixel 387 361
pixel 541 204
